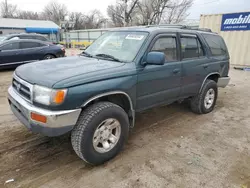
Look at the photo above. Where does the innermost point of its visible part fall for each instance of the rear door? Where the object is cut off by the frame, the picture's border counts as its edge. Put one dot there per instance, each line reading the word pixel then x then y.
pixel 194 64
pixel 219 54
pixel 9 53
pixel 31 51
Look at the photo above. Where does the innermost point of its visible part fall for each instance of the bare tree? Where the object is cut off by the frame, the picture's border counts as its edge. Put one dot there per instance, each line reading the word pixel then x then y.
pixel 177 11
pixel 8 10
pixel 29 15
pixel 151 12
pixel 94 20
pixel 78 19
pixel 55 12
pixel 121 13
pixel 115 14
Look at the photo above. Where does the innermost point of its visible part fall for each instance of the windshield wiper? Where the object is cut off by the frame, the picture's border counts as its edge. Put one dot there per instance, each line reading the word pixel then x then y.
pixel 108 56
pixel 86 54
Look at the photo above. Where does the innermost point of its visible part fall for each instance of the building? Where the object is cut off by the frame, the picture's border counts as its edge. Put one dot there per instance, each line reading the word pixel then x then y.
pixel 10 26
pixel 235 29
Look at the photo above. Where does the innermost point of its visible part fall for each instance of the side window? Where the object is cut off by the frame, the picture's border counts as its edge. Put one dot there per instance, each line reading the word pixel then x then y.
pixel 25 45
pixel 11 46
pixel 167 45
pixel 216 45
pixel 191 47
pixel 40 38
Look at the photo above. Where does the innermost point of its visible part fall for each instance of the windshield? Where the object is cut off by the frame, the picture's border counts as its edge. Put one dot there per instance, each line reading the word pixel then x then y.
pixel 2 38
pixel 122 45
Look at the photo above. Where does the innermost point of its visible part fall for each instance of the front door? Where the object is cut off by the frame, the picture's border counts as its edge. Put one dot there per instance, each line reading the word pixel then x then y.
pixel 160 84
pixel 9 53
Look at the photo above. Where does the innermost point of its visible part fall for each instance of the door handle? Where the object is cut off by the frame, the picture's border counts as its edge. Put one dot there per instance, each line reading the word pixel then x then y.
pixel 205 66
pixel 175 71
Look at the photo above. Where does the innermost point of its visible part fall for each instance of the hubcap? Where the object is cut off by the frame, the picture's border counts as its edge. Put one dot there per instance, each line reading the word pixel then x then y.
pixel 209 98
pixel 107 135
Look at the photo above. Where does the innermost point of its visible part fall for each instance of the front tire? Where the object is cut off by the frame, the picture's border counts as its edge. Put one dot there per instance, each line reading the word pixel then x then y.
pixel 205 101
pixel 100 133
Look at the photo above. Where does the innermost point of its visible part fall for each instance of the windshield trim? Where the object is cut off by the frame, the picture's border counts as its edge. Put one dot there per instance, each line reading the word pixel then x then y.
pixel 139 50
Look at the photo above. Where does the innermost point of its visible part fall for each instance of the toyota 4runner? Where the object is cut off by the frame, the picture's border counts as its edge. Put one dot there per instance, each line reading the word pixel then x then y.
pixel 96 94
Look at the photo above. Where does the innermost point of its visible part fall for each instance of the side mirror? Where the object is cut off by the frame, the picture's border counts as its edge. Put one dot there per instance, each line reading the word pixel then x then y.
pixel 155 58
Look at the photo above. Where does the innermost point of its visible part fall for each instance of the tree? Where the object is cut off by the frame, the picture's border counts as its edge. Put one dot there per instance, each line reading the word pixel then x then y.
pixel 121 13
pixel 8 10
pixel 146 12
pixel 151 11
pixel 55 12
pixel 94 20
pixel 29 15
pixel 177 11
pixel 78 19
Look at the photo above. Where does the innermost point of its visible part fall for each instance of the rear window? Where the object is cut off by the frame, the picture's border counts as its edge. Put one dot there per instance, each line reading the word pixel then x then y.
pixel 216 45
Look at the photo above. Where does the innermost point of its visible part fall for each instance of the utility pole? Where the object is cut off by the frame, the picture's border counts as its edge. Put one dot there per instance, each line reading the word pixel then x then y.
pixel 6 9
pixel 125 13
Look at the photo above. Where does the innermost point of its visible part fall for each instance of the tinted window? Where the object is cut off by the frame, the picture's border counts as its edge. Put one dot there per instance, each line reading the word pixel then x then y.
pixel 167 45
pixel 11 46
pixel 191 47
pixel 24 45
pixel 40 38
pixel 216 45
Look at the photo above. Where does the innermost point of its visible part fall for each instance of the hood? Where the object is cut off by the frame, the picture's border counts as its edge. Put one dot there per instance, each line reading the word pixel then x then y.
pixel 70 71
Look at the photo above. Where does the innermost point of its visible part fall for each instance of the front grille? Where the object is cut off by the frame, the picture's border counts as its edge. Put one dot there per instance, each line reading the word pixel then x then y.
pixel 22 87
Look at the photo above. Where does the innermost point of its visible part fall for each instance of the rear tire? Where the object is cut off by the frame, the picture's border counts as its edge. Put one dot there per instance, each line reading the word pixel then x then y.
pixel 49 56
pixel 205 101
pixel 90 138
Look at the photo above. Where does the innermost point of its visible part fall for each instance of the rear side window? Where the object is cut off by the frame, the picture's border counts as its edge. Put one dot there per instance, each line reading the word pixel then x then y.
pixel 167 45
pixel 25 45
pixel 40 38
pixel 11 46
pixel 216 45
pixel 191 47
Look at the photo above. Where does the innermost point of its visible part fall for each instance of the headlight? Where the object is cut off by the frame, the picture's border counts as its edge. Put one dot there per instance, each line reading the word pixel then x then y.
pixel 48 96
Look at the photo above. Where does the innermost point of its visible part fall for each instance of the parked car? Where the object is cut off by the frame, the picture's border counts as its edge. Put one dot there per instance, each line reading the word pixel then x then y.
pixel 16 52
pixel 95 95
pixel 23 36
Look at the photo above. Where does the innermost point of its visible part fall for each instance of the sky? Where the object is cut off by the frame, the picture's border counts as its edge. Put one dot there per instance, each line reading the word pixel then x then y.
pixel 199 6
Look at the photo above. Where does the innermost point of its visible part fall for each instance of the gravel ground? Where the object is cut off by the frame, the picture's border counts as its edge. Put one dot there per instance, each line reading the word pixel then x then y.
pixel 169 147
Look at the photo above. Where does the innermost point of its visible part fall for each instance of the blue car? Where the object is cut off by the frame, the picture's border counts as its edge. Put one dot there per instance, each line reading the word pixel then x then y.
pixel 16 52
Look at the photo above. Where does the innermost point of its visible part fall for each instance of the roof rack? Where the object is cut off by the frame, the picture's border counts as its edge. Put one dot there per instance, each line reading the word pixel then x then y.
pixel 181 27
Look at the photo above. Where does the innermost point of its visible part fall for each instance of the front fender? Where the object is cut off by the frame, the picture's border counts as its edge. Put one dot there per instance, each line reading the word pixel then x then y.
pixel 77 96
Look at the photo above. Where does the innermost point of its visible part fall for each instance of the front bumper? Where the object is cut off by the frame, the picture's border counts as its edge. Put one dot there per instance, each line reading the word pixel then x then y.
pixel 58 122
pixel 223 81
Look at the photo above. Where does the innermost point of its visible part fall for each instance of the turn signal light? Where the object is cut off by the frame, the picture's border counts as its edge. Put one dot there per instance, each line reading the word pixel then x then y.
pixel 59 96
pixel 38 117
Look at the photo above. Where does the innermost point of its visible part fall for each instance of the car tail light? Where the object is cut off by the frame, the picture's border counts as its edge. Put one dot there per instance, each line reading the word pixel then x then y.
pixel 63 49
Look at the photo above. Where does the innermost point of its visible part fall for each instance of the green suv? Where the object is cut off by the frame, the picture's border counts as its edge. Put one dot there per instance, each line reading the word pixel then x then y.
pixel 96 94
